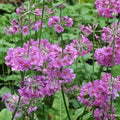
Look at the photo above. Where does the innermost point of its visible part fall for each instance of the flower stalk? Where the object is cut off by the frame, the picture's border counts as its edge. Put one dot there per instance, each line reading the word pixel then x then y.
pixel 42 22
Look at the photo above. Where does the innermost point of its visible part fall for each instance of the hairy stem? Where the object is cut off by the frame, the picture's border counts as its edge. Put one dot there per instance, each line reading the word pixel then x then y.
pixel 42 22
pixel 21 33
pixel 68 115
pixel 93 54
pixel 16 108
pixel 29 28
pixel 111 75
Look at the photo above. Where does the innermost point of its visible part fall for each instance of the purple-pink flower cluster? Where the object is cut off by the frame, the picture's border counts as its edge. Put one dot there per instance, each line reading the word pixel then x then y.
pixel 99 93
pixel 11 102
pixel 55 21
pixel 19 59
pixel 83 45
pixel 104 55
pixel 108 8
pixel 39 86
pixel 87 30
pixel 111 33
pixel 16 27
pixel 71 90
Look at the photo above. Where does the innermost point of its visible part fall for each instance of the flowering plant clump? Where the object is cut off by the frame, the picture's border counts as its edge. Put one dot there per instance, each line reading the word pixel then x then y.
pixel 107 8
pixel 83 46
pixel 11 102
pixel 98 94
pixel 104 55
pixel 53 51
pixel 110 32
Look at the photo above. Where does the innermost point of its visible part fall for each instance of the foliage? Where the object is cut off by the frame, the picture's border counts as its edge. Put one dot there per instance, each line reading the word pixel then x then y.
pixel 5 114
pixel 86 67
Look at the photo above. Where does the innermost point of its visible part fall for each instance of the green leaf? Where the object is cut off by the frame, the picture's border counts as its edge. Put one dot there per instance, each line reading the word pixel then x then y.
pixel 7 7
pixel 10 77
pixel 74 103
pixel 84 11
pixel 4 90
pixel 116 71
pixel 87 116
pixel 78 112
pixel 58 106
pixel 102 22
pixel 5 115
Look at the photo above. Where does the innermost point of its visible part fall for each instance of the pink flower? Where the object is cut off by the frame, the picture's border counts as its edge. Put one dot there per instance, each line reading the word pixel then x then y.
pixel 25 30
pixel 58 28
pixel 6 31
pixel 31 109
pixel 65 61
pixel 38 12
pixel 53 20
pixel 57 63
pixel 18 11
pixel 6 96
pixel 68 21
pixel 38 25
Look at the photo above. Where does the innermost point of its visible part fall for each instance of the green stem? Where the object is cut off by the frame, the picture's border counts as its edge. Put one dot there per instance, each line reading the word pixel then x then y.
pixel 61 70
pixel 29 28
pixel 22 76
pixel 12 83
pixel 44 111
pixel 42 22
pixel 3 70
pixel 68 115
pixel 21 34
pixel 35 22
pixel 112 74
pixel 93 53
pixel 35 31
pixel 33 115
pixel 76 70
pixel 14 40
pixel 16 108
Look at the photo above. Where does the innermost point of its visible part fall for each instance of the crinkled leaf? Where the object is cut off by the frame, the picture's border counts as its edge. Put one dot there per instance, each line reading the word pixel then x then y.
pixel 116 70
pixel 58 106
pixel 78 112
pixel 88 116
pixel 5 115
pixel 4 90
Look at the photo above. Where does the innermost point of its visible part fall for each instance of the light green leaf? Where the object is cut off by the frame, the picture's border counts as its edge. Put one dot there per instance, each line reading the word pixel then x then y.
pixel 87 116
pixel 84 11
pixel 78 112
pixel 5 115
pixel 4 90
pixel 102 21
pixel 116 70
pixel 58 106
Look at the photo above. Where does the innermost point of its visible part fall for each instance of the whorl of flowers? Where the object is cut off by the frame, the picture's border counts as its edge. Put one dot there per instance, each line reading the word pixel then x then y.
pixel 87 30
pixel 11 101
pixel 83 45
pixel 39 86
pixel 108 8
pixel 111 33
pixel 104 55
pixel 55 21
pixel 99 93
